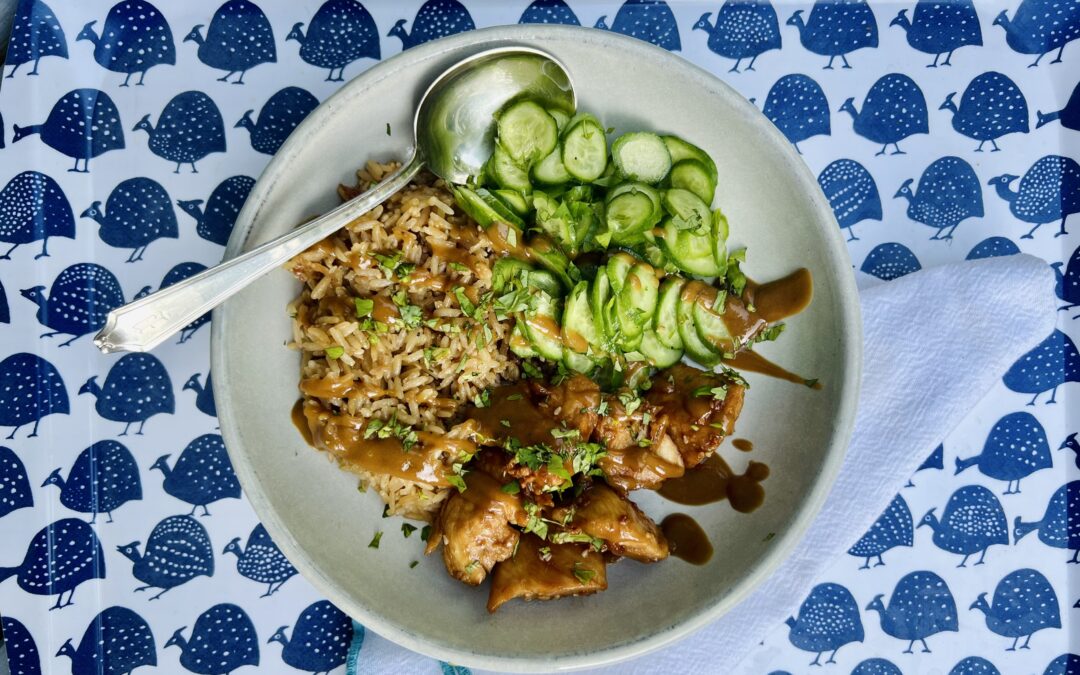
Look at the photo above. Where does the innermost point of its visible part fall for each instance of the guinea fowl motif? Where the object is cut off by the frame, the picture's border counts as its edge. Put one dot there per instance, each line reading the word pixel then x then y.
pixel 876 667
pixel 1060 525
pixel 204 395
pixel 993 247
pixel 202 474
pixel 744 29
pixel 992 106
pixel 222 640
pixel 136 388
pixel 238 38
pixel 828 620
pixel 1052 363
pixel 1024 603
pixel 103 478
pixel 550 12
pixel 35 34
pixel 5 311
pixel 30 388
pixel 137 213
pixel 33 208
pixel 836 28
pixel 1070 443
pixel 177 551
pixel 1069 116
pixel 893 110
pixel 435 19
pixel 1015 449
pixel 22 652
pixel 134 39
pixel 320 640
pixel 938 27
pixel 1049 191
pixel 61 556
pixel 1068 283
pixel 921 605
pixel 936 460
pixel 798 107
pixel 175 275
pixel 188 129
pixel 890 261
pixel 14 485
pixel 1066 664
pixel 1041 26
pixel 974 665
pixel 893 528
pixel 82 125
pixel 116 642
pixel 79 301
pixel 341 32
pixel 261 560
pixel 215 221
pixel 948 194
pixel 281 114
pixel 648 20
pixel 973 521
pixel 852 194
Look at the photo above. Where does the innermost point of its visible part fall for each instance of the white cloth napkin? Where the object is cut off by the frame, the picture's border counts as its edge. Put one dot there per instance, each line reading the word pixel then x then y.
pixel 936 341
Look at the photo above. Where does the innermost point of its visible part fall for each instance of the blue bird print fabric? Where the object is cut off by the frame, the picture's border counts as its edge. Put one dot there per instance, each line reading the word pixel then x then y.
pixel 132 131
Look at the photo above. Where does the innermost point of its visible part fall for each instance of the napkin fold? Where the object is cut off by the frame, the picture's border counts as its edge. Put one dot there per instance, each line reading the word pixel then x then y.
pixel 936 341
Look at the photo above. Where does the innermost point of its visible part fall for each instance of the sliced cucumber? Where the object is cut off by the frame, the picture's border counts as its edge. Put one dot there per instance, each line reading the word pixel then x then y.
pixel 665 323
pixel 519 344
pixel 586 222
pixel 656 352
pixel 710 327
pixel 599 299
pixel 476 208
pixel 550 170
pixel 514 200
pixel 688 210
pixel 689 251
pixel 553 217
pixel 631 210
pixel 506 215
pixel 641 156
pixel 548 256
pixel 544 280
pixel 527 132
pixel 505 271
pixel 719 241
pixel 579 363
pixel 584 149
pixel 637 299
pixel 560 117
pixel 506 173
pixel 579 325
pixel 681 150
pixel 543 329
pixel 684 320
pixel 579 193
pixel 690 174
pixel 618 267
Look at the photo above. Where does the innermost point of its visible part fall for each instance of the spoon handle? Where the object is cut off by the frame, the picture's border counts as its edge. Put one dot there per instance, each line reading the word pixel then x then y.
pixel 142 325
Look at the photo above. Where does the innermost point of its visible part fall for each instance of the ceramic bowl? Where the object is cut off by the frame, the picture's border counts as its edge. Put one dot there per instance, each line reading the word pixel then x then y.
pixel 323 524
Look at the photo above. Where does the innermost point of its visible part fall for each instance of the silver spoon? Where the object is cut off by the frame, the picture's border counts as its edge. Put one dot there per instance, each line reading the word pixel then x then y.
pixel 454 134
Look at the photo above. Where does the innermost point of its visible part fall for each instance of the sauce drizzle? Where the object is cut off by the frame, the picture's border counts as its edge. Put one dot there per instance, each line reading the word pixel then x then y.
pixel 686 538
pixel 743 444
pixel 713 481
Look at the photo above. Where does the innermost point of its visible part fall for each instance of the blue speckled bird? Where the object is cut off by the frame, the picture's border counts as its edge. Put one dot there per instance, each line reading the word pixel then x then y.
pixel 82 125
pixel 648 20
pixel 5 310
pixel 238 39
pixel 744 29
pixel 214 222
pixel 992 106
pixel 876 667
pixel 78 302
pixel 15 491
pixel 189 128
pixel 103 478
pixel 893 528
pixel 30 388
pixel 973 521
pixel 1015 449
pixel 1050 190
pixel 893 110
pixel 341 32
pixel 939 27
pixel 435 19
pixel 1066 664
pixel 974 665
pixel 1024 603
pixel 34 208
pixel 1060 525
pixel 22 652
pixel 177 551
pixel 286 109
pixel 222 640
pixel 948 194
pixel 828 620
pixel 836 28
pixel 261 560
pixel 136 388
pixel 1052 363
pixel 1041 26
pixel 320 641
pixel 890 261
pixel 798 107
pixel 60 557
pixel 35 34
pixel 993 247
pixel 116 642
pixel 921 605
pixel 550 12
pixel 204 395
pixel 135 38
pixel 1070 443
pixel 852 194
pixel 1068 282
pixel 1069 116
pixel 137 213
pixel 202 474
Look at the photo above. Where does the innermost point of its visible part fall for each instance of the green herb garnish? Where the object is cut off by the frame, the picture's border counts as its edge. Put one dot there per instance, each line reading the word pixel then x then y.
pixel 364 306
pixel 584 576
pixel 375 540
pixel 511 488
pixel 407 529
pixel 335 352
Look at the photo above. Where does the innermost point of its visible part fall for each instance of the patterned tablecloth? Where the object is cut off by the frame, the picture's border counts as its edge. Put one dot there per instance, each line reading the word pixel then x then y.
pixel 940 131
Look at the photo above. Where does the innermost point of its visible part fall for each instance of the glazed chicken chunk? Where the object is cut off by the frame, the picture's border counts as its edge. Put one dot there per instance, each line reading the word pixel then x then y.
pixel 603 513
pixel 544 571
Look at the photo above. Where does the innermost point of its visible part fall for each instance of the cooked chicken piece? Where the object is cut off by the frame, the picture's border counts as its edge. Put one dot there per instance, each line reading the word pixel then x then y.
pixel 630 464
pixel 474 528
pixel 538 485
pixel 544 571
pixel 572 402
pixel 603 513
pixel 685 407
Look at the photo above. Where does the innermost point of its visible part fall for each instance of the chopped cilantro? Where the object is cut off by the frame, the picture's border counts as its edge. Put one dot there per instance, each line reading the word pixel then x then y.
pixel 545 553
pixel 531 370
pixel 364 306
pixel 505 423
pixel 458 267
pixel 735 278
pixel 512 488
pixel 414 564
pixel 392 428
pixel 583 575
pixel 467 306
pixel 717 393
pixel 577 538
pixel 630 401
pixel 514 397
pixel 457 481
pixel 407 529
pixel 393 264
pixel 335 352
pixel 771 333
pixel 565 433
pixel 375 540
pixel 471 567
pixel 386 511
pixel 483 399
pixel 535 523
pixel 387 128
pixel 811 383
pixel 425 533
pixel 602 408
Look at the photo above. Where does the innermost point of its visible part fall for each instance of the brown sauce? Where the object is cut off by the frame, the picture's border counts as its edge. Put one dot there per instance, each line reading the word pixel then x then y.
pixel 453 254
pixel 782 298
pixel 686 538
pixel 756 363
pixel 713 481
pixel 384 309
pixel 743 444
pixel 300 422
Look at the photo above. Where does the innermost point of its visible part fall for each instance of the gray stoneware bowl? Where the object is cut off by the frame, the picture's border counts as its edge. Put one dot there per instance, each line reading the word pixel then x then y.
pixel 313 510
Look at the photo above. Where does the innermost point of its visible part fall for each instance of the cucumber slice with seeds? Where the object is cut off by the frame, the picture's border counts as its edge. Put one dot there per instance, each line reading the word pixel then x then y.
pixel 710 327
pixel 665 323
pixel 584 149
pixel 543 329
pixel 550 170
pixel 519 343
pixel 506 173
pixel 579 325
pixel 641 156
pixel 599 296
pixel 690 174
pixel 689 251
pixel 681 150
pixel 719 241
pixel 560 117
pixel 631 210
pixel 475 207
pixel 618 267
pixel 506 215
pixel 636 304
pixel 656 352
pixel 505 271
pixel 684 315
pixel 527 132
pixel 690 212
pixel 515 201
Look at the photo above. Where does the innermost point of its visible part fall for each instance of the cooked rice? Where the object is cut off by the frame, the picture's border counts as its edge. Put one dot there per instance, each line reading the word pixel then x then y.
pixel 425 374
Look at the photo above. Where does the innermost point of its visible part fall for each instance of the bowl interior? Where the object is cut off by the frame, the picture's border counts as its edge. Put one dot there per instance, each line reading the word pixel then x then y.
pixel 313 510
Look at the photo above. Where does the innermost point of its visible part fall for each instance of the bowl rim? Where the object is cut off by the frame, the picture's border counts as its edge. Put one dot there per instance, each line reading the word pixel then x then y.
pixel 847 304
